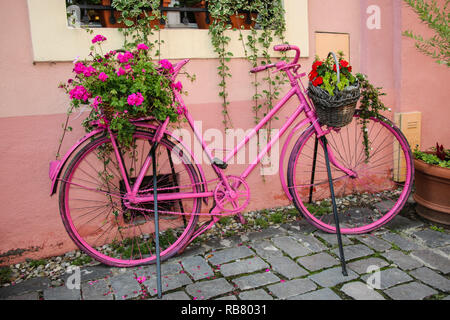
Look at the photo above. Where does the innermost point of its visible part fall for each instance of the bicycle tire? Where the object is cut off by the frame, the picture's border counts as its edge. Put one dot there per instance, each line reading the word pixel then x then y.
pixel 121 255
pixel 365 202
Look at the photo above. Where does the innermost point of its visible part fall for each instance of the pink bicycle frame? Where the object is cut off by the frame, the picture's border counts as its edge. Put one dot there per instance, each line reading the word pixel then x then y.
pixel 304 106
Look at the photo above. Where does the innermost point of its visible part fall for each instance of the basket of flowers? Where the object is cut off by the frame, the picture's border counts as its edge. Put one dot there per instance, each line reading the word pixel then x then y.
pixel 334 90
pixel 121 86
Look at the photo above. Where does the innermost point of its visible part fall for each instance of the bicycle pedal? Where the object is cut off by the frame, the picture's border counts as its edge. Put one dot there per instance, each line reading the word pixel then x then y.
pixel 222 165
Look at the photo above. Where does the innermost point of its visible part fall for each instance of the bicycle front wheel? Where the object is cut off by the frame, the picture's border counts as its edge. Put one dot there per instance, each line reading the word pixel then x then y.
pixel 365 201
pixel 111 229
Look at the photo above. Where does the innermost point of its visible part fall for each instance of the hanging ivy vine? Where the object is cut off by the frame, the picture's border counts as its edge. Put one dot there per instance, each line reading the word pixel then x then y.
pixel 269 24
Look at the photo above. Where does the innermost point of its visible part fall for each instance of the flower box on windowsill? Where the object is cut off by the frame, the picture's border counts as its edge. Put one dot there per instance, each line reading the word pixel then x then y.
pixel 105 16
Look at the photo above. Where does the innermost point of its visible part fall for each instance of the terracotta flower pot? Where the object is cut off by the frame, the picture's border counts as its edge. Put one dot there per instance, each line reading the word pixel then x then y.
pixel 236 21
pixel 432 192
pixel 105 15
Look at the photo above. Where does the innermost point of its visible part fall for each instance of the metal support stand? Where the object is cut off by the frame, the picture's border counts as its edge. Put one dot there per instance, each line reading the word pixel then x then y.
pixel 155 200
pixel 335 212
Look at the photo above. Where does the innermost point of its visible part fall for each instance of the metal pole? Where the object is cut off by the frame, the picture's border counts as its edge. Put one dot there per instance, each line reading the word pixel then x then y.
pixel 313 172
pixel 335 212
pixel 155 200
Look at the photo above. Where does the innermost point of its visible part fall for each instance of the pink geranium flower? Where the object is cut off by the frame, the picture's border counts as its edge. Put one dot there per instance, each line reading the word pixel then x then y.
pixel 177 86
pixel 96 102
pixel 89 71
pixel 121 72
pixel 142 46
pixel 123 58
pixel 98 38
pixel 103 76
pixel 165 64
pixel 79 93
pixel 135 99
pixel 79 68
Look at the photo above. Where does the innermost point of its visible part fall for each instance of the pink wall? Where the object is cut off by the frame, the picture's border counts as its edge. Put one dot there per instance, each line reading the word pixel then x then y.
pixel 425 85
pixel 29 217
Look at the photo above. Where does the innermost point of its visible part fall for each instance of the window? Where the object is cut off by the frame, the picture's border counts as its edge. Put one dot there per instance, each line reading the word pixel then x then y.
pixel 54 40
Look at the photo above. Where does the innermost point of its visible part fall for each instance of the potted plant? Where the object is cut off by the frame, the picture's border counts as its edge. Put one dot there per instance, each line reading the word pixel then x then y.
pixel 121 86
pixel 118 17
pixel 334 90
pixel 432 182
pixel 226 10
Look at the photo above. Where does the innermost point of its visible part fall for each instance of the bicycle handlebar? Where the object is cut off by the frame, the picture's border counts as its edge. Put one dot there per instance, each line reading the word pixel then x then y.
pixel 280 47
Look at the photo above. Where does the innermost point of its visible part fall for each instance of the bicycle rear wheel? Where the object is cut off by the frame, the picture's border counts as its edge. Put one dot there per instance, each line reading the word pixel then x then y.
pixel 380 189
pixel 109 228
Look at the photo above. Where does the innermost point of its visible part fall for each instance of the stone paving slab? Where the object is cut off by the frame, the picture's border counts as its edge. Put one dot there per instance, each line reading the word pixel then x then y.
pixel 431 278
pixel 321 294
pixel 361 266
pixel 360 291
pixel 286 267
pixel 243 266
pixel 24 296
pixel 432 238
pixel 209 289
pixel 197 267
pixel 178 295
pixel 266 233
pixel 259 294
pixel 255 280
pixel 62 293
pixel 354 251
pixel 265 249
pixel 167 268
pixel 401 242
pixel 410 291
pixel 32 285
pixel 374 242
pixel 227 255
pixel 389 278
pixel 318 261
pixel 405 262
pixel 432 260
pixel 125 286
pixel 96 290
pixel 331 238
pixel 291 246
pixel 309 242
pixel 332 277
pixel 291 288
pixel 168 283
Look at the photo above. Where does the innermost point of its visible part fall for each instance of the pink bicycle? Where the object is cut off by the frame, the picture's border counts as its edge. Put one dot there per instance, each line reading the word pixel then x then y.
pixel 106 194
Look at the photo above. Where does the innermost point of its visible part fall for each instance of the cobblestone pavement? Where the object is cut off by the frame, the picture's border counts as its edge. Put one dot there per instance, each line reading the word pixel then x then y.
pixel 289 261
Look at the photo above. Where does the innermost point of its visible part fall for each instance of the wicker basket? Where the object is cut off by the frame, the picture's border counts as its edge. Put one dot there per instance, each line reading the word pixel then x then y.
pixel 338 110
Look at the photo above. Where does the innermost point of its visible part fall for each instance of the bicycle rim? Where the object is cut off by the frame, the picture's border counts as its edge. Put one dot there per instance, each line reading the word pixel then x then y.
pixel 110 229
pixel 365 202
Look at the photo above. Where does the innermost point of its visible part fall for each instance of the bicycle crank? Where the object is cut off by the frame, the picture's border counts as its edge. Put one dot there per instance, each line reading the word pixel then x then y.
pixel 233 199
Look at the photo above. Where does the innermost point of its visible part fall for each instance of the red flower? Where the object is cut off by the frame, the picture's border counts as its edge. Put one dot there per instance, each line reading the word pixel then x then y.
pixel 316 64
pixel 349 69
pixel 313 74
pixel 334 68
pixel 318 81
pixel 344 63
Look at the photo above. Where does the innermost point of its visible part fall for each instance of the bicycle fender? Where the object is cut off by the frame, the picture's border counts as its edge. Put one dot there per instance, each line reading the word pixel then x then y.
pixel 57 165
